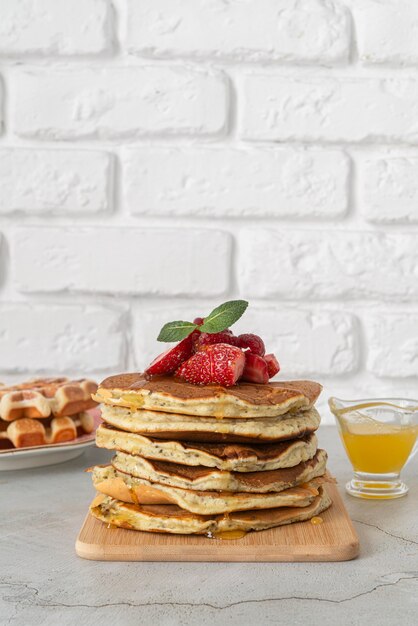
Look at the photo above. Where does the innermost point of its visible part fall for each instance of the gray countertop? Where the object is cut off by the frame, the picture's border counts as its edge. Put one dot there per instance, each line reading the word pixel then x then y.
pixel 42 581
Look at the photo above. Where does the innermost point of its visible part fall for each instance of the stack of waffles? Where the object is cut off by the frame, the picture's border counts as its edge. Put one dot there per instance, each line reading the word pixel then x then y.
pixel 212 460
pixel 45 411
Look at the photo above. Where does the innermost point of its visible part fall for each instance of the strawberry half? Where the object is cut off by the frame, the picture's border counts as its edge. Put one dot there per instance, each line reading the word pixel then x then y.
pixel 255 370
pixel 207 339
pixel 254 343
pixel 216 363
pixel 170 360
pixel 273 365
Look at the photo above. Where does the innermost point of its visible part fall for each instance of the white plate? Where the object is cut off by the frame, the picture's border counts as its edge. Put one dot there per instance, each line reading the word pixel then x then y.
pixel 40 456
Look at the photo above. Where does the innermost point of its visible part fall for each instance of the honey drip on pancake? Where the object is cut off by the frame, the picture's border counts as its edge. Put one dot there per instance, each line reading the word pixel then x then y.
pixel 111 526
pixel 309 487
pixel 133 495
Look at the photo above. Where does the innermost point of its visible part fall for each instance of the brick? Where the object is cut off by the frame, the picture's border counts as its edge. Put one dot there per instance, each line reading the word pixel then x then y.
pixel 387 31
pixel 208 181
pixel 306 343
pixel 389 188
pixel 337 109
pixel 118 103
pixel 393 344
pixel 279 30
pixel 55 27
pixel 59 338
pixel 54 181
pixel 327 264
pixel 122 260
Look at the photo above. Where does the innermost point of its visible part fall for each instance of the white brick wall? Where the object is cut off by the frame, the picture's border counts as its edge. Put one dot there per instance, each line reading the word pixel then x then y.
pixel 54 337
pixel 386 31
pixel 329 109
pixel 55 27
pixel 118 103
pixel 122 260
pixel 233 182
pixel 160 156
pixel 328 264
pixel 55 181
pixel 389 189
pixel 281 30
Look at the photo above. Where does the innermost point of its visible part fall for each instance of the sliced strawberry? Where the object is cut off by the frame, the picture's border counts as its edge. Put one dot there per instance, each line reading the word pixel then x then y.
pixel 207 339
pixel 255 370
pixel 273 365
pixel 170 360
pixel 198 320
pixel 252 342
pixel 217 363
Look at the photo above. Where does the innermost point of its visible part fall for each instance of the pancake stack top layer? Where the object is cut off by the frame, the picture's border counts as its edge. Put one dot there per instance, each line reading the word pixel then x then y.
pixel 208 459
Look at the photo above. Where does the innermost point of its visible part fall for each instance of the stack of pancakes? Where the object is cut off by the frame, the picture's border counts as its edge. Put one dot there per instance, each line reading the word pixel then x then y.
pixel 208 459
pixel 45 411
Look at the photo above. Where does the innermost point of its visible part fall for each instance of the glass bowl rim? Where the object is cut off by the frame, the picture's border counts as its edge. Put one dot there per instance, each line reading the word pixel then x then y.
pixel 391 401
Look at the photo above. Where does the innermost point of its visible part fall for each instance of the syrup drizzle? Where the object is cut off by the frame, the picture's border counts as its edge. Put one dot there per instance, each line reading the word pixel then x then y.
pixel 230 534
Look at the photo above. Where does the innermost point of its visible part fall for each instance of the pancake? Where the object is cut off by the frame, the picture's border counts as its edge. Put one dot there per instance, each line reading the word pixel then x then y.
pixel 205 429
pixel 232 457
pixel 208 479
pixel 137 491
pixel 243 400
pixel 169 518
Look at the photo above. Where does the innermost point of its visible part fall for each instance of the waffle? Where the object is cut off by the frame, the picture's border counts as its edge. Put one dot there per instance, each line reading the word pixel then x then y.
pixel 44 397
pixel 28 432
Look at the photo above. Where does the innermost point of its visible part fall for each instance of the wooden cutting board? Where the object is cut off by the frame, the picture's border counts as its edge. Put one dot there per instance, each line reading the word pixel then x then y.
pixel 333 540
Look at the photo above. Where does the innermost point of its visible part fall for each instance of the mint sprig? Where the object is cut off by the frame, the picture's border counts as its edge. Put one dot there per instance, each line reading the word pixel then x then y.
pixel 175 331
pixel 218 320
pixel 223 316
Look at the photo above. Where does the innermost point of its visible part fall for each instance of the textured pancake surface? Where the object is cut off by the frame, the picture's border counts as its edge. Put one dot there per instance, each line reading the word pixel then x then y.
pixel 205 429
pixel 169 518
pixel 240 401
pixel 226 456
pixel 133 490
pixel 211 479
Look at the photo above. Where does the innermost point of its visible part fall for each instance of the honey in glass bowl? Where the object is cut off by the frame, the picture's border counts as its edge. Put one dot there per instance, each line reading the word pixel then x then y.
pixel 379 437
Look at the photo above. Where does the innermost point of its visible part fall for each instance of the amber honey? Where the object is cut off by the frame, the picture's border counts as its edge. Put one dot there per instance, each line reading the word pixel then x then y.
pixel 230 534
pixel 378 448
pixel 379 436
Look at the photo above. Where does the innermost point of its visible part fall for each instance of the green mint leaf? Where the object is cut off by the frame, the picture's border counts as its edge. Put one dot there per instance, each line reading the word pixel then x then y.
pixel 175 331
pixel 223 316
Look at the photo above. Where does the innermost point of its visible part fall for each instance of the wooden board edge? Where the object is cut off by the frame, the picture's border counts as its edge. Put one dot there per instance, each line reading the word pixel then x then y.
pixel 96 553
pixel 266 554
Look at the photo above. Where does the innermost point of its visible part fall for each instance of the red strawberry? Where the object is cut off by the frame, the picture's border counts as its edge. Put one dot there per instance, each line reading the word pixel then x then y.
pixel 253 342
pixel 206 339
pixel 218 363
pixel 255 370
pixel 198 320
pixel 170 360
pixel 272 365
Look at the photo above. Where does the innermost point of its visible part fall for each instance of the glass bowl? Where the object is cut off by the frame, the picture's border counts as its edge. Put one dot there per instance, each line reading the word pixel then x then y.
pixel 379 436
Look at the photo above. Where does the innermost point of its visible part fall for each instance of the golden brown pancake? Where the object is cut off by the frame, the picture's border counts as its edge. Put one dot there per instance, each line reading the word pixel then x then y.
pixel 206 429
pixel 133 490
pixel 226 456
pixel 169 518
pixel 210 479
pixel 243 400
